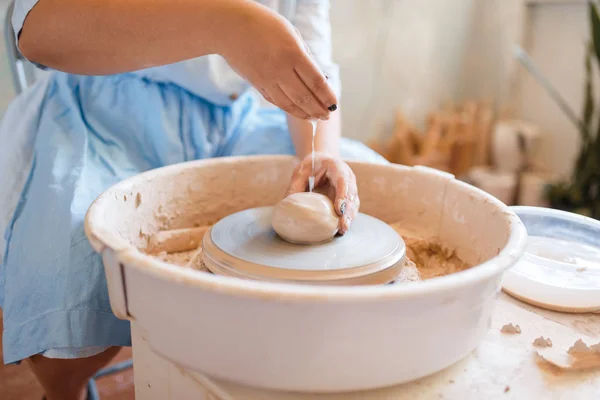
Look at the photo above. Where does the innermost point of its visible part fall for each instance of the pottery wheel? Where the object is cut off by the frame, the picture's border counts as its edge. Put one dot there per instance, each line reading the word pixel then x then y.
pixel 244 244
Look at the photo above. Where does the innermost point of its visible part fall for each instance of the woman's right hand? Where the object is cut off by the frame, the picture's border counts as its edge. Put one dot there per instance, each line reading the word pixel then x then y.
pixel 267 51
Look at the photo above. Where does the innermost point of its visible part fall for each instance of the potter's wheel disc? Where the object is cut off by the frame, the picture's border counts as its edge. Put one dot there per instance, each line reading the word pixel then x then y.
pixel 245 243
pixel 560 269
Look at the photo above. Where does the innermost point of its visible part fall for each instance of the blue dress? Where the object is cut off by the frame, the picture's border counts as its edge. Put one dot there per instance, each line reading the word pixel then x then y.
pixel 66 140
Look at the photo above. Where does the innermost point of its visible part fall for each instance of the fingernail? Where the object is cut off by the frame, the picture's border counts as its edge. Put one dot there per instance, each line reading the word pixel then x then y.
pixel 343 207
pixel 332 107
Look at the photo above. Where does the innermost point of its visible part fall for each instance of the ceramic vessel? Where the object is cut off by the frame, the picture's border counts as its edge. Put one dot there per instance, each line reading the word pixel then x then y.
pixel 508 155
pixel 293 337
pixel 501 185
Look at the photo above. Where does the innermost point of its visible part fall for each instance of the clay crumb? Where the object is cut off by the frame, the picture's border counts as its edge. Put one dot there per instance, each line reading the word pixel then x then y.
pixel 507 389
pixel 451 381
pixel 579 347
pixel 542 342
pixel 138 200
pixel 510 328
pixel 581 269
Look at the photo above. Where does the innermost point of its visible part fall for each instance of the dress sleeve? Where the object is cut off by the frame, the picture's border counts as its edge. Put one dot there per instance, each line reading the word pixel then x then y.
pixel 312 21
pixel 21 9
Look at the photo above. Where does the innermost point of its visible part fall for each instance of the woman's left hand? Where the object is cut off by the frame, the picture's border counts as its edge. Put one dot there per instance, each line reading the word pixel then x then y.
pixel 333 178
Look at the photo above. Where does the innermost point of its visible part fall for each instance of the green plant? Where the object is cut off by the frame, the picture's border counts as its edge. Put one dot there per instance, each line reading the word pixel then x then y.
pixel 581 193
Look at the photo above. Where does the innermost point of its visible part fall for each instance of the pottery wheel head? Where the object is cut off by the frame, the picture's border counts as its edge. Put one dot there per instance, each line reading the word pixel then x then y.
pixel 247 237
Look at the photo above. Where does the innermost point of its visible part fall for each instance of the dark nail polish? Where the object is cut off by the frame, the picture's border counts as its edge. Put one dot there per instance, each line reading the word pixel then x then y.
pixel 332 107
pixel 343 208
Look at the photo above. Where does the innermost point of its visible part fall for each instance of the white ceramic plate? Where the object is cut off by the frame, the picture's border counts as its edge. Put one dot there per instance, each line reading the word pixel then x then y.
pixel 560 269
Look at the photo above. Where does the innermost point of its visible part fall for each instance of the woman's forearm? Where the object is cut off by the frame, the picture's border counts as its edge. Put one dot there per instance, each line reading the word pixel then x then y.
pixel 327 139
pixel 98 37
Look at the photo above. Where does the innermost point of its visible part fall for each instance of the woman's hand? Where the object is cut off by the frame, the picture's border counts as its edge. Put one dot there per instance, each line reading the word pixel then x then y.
pixel 267 51
pixel 333 178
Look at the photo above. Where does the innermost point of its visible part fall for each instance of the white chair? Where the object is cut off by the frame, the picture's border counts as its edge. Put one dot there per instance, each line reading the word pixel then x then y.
pixel 23 76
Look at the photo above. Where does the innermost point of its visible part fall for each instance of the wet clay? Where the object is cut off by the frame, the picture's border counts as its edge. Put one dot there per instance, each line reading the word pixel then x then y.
pixel 305 218
pixel 432 259
pixel 176 240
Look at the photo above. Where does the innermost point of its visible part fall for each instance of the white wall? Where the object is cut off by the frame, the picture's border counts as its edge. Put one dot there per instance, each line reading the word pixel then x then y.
pixel 489 68
pixel 397 53
pixel 555 41
pixel 553 33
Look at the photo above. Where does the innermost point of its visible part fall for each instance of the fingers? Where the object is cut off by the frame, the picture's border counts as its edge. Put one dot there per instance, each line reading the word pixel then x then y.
pixel 352 206
pixel 317 83
pixel 276 96
pixel 341 194
pixel 346 196
pixel 341 183
pixel 299 181
pixel 303 98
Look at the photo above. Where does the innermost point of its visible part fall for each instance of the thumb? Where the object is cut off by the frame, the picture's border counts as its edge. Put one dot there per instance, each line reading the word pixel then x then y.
pixel 299 183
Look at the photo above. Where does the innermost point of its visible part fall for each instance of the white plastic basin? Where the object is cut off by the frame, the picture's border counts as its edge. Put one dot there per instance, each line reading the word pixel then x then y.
pixel 302 338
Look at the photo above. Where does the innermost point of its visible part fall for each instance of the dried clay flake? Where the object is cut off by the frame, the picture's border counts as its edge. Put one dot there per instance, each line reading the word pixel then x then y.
pixel 510 328
pixel 579 347
pixel 542 342
pixel 580 356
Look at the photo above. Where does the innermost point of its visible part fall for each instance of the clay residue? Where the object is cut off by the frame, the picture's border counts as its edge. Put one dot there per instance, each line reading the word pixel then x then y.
pixel 432 259
pixel 176 240
pixel 579 356
pixel 425 259
pixel 511 329
pixel 580 347
pixel 409 273
pixel 542 342
pixel 181 259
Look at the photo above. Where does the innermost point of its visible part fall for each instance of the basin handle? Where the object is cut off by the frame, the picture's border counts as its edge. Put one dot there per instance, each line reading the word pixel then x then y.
pixel 115 280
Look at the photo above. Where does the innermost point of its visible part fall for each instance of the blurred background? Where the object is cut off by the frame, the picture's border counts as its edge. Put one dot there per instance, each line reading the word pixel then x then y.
pixel 436 82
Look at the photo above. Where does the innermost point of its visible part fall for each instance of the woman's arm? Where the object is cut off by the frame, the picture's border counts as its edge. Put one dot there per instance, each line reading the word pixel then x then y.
pixel 327 139
pixel 98 37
